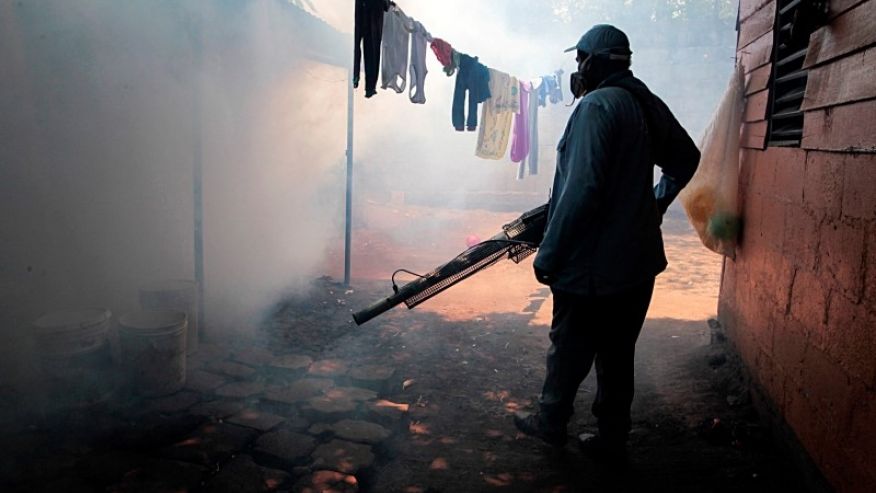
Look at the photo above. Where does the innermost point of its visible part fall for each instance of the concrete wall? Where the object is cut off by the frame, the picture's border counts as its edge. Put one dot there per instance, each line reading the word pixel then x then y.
pixel 799 301
pixel 98 134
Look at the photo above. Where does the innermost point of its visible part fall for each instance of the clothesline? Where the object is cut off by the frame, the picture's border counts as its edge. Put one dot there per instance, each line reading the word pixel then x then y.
pixel 430 39
pixel 386 36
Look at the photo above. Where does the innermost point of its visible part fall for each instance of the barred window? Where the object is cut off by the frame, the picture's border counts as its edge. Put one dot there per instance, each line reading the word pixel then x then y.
pixel 796 20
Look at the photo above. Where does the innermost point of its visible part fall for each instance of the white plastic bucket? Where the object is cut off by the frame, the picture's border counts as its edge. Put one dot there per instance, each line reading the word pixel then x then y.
pixel 179 295
pixel 74 355
pixel 153 346
pixel 63 337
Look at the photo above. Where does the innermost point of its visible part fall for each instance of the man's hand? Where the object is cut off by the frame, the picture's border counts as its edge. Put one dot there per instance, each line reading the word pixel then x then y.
pixel 543 277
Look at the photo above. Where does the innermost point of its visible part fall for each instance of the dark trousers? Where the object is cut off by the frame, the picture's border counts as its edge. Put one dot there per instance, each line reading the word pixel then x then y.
pixel 368 36
pixel 604 328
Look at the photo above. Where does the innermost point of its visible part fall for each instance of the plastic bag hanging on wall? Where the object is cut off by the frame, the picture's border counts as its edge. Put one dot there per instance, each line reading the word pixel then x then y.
pixel 710 199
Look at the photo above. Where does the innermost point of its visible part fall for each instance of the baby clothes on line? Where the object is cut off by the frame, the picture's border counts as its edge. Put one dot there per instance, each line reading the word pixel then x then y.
pixel 396 41
pixel 498 113
pixel 368 33
pixel 474 79
pixel 419 39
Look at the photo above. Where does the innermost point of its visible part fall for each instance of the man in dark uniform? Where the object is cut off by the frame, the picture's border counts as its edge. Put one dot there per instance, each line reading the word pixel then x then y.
pixel 602 247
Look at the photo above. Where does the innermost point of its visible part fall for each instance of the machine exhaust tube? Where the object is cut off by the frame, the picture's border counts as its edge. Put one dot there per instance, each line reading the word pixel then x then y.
pixel 517 240
pixel 376 309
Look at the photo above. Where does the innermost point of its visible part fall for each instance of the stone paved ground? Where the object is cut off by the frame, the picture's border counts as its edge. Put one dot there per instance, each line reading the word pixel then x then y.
pixel 412 402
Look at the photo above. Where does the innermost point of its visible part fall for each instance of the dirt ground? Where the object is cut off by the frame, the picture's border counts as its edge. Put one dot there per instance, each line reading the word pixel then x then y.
pixel 416 401
pixel 476 355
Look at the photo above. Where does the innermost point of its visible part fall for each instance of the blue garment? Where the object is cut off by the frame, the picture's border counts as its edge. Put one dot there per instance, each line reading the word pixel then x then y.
pixel 603 233
pixel 551 89
pixel 473 78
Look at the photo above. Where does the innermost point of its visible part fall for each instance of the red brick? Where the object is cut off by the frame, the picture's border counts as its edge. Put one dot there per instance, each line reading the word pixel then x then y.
pixel 859 187
pixel 828 386
pixel 809 299
pixel 851 340
pixel 823 184
pixel 800 245
pixel 772 227
pixel 753 135
pixel 756 107
pixel 769 378
pixel 790 344
pixel 837 7
pixel 758 79
pixel 845 34
pixel 747 157
pixel 847 80
pixel 801 416
pixel 776 276
pixel 870 268
pixel 758 53
pixel 860 442
pixel 845 128
pixel 747 8
pixel 763 173
pixel 844 471
pixel 790 173
pixel 841 254
pixel 750 238
pixel 758 24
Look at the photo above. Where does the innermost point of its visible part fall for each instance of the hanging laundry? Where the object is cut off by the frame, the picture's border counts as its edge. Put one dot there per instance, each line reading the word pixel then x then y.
pixel 551 89
pixel 556 94
pixel 368 35
pixel 498 113
pixel 454 63
pixel 396 41
pixel 419 39
pixel 447 56
pixel 473 78
pixel 520 141
pixel 533 133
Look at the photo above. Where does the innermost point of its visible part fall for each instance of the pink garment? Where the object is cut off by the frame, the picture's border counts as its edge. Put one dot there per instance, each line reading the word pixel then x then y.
pixel 520 142
pixel 443 51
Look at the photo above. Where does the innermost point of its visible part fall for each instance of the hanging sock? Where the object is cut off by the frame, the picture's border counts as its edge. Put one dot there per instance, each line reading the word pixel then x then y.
pixel 368 34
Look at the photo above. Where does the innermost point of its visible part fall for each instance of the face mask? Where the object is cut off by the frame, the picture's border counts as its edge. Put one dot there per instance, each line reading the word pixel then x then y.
pixel 578 84
pixel 578 81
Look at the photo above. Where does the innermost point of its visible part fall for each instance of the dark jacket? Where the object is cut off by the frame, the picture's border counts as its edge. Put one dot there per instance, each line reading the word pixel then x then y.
pixel 474 78
pixel 603 233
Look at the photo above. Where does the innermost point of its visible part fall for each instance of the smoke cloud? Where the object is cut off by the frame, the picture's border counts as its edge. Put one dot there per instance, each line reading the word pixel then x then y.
pixel 107 105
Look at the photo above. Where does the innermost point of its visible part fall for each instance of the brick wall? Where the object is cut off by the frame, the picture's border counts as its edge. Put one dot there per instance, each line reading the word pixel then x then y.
pixel 799 300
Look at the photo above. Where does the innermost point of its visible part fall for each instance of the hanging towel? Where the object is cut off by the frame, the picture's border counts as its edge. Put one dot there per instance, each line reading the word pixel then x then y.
pixel 419 39
pixel 498 113
pixel 474 79
pixel 520 142
pixel 368 35
pixel 396 40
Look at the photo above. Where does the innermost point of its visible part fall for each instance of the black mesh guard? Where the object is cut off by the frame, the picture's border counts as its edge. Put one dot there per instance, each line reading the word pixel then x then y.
pixel 528 228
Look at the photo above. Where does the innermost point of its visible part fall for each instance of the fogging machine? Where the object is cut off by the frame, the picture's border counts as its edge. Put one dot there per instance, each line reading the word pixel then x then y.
pixel 519 239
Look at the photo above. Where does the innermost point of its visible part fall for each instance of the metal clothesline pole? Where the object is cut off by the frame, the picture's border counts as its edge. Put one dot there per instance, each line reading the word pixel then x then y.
pixel 348 226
